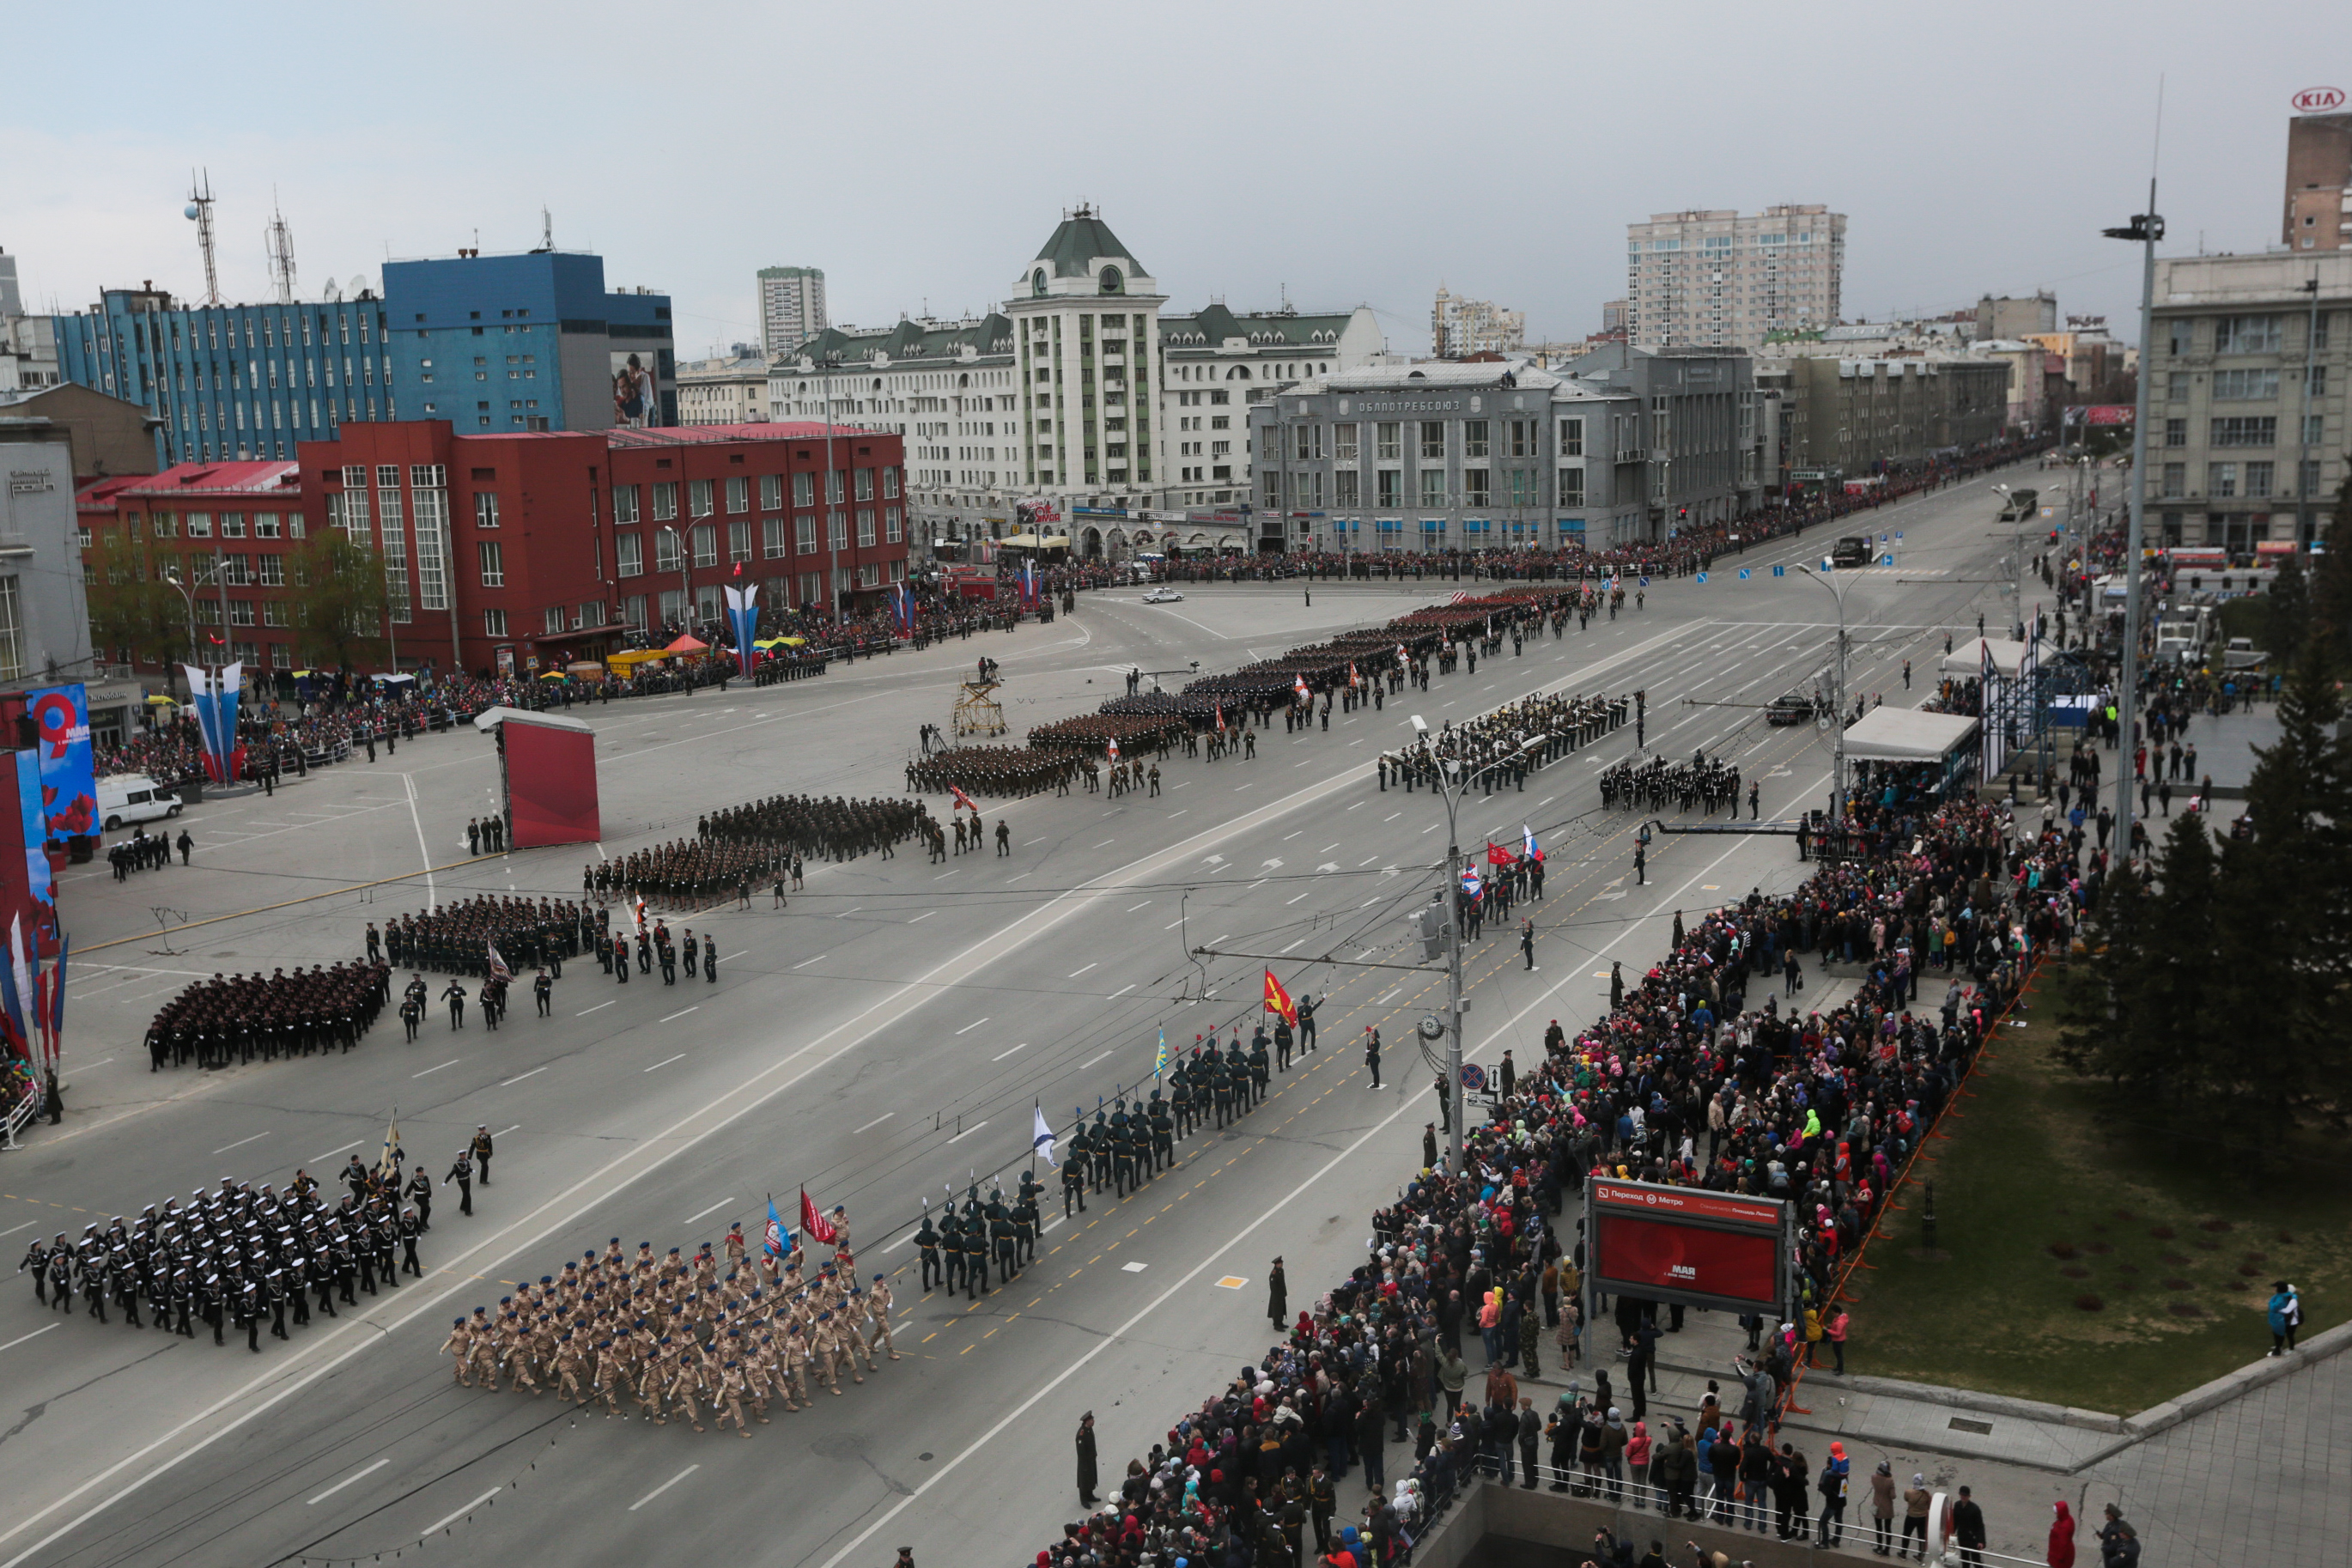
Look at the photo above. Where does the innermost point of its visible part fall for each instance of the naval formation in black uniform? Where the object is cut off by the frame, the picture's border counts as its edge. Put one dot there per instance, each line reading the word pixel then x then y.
pixel 240 1259
pixel 238 1017
pixel 455 938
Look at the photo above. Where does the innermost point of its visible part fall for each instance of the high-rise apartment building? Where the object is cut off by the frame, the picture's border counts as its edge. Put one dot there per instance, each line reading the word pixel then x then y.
pixel 2318 182
pixel 1722 279
pixel 792 307
pixel 1459 327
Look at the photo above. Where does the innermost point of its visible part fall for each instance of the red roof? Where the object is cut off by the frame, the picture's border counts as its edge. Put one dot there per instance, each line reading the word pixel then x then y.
pixel 684 435
pixel 101 495
pixel 241 478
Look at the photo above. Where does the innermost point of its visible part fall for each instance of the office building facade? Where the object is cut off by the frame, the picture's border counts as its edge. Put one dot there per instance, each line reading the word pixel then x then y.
pixel 1723 280
pixel 2248 365
pixel 501 342
pixel 2318 214
pixel 43 616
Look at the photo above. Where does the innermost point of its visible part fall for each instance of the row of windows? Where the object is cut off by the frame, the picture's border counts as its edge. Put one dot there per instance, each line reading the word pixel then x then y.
pixel 702 495
pixel 2256 478
pixel 2245 430
pixel 2249 334
pixel 777 538
pixel 1480 439
pixel 1516 488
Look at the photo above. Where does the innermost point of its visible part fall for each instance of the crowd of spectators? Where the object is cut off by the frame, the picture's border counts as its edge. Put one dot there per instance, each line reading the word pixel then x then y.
pixel 1689 1079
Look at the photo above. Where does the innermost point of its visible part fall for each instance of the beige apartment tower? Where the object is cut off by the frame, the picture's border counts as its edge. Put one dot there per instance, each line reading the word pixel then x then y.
pixel 1726 280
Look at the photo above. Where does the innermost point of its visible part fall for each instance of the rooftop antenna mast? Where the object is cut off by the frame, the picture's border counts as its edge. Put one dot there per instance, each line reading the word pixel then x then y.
pixel 279 240
pixel 546 231
pixel 199 211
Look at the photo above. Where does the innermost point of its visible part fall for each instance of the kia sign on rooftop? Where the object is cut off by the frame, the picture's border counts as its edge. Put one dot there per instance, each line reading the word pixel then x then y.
pixel 2318 100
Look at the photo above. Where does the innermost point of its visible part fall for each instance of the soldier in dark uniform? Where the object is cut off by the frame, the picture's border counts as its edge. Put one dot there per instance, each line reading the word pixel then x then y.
pixel 461 1171
pixel 409 1229
pixel 456 996
pixel 927 1242
pixel 36 1258
pixel 1074 1184
pixel 420 1192
pixel 542 990
pixel 274 1289
pixel 1259 1068
pixel 976 1258
pixel 1005 1239
pixel 693 950
pixel 951 1249
pixel 1163 1135
pixel 1098 1152
pixel 1180 1099
pixel 1025 1219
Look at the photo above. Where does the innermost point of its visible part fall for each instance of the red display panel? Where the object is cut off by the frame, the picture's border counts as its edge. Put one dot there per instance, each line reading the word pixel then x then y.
pixel 1668 1259
pixel 551 776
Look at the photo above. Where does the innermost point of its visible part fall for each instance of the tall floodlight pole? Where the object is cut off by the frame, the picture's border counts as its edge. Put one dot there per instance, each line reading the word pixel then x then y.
pixel 2147 228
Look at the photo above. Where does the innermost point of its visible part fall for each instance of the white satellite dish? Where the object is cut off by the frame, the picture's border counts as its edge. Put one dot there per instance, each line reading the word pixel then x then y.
pixel 333 293
pixel 357 287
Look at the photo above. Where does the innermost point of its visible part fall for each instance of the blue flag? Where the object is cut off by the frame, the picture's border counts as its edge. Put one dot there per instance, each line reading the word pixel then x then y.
pixel 773 1241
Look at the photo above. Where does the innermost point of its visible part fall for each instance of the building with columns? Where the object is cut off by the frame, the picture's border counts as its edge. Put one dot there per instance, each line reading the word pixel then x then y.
pixel 1080 391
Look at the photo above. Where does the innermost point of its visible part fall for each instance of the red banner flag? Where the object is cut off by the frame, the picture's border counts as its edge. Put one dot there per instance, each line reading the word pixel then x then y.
pixel 815 1225
pixel 1496 854
pixel 1278 1002
pixel 964 801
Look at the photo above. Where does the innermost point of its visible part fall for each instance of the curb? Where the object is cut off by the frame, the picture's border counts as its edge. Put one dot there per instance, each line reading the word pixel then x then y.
pixel 2245 1380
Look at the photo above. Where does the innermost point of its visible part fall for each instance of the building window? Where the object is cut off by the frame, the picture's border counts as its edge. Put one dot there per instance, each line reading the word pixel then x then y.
pixel 2220 480
pixel 2260 478
pixel 1391 489
pixel 1433 440
pixel 706 544
pixel 2176 386
pixel 698 497
pixel 486 510
pixel 1343 442
pixel 1388 442
pixel 633 611
pixel 804 533
pixel 2244 430
pixel 2308 481
pixel 738 540
pixel 631 549
pixel 2246 335
pixel 1477 483
pixel 272 572
pixel 772 537
pixel 804 490
pixel 1432 488
pixel 2176 432
pixel 836 532
pixel 771 492
pixel 865 526
pixel 1571 484
pixel 240 613
pixel 2175 480
pixel 624 505
pixel 891 479
pixel 1475 442
pixel 1345 487
pixel 665 550
pixel 2246 385
pixel 665 500
pixel 894 525
pixel 738 493
pixel 494 564
pixel 494 623
pixel 1308 442
pixel 550 620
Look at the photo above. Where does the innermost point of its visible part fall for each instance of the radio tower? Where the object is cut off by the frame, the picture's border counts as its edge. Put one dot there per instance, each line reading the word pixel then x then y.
pixel 199 211
pixel 280 239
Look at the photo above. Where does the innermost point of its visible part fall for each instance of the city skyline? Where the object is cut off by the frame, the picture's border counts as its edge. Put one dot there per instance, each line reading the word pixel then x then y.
pixel 1942 207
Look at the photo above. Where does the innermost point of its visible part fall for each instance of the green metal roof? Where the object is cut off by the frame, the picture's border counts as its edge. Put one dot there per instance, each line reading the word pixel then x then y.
pixel 1212 326
pixel 908 340
pixel 1079 241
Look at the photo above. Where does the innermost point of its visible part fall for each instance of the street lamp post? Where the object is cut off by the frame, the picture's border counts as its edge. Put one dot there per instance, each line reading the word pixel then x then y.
pixel 685 581
pixel 2147 228
pixel 1837 719
pixel 173 579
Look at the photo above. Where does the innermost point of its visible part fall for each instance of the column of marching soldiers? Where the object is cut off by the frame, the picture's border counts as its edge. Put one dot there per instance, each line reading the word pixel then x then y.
pixel 245 1258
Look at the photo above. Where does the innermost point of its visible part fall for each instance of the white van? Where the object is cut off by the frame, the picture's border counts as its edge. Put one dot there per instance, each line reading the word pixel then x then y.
pixel 126 799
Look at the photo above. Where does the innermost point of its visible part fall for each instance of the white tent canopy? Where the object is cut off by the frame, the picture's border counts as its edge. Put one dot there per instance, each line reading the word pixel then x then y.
pixel 2007 657
pixel 1907 735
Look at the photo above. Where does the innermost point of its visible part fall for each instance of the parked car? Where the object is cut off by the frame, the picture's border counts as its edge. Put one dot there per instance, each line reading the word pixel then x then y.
pixel 1796 708
pixel 126 799
pixel 1163 594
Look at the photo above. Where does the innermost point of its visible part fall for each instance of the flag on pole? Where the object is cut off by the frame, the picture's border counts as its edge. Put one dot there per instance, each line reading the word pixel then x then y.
pixel 1298 684
pixel 12 990
pixel 1114 749
pixel 1403 658
pixel 637 912
pixel 813 1225
pixel 1496 854
pixel 1041 1141
pixel 963 801
pixel 775 1240
pixel 499 970
pixel 1528 847
pixel 1278 1002
pixel 391 1156
pixel 1470 883
pixel 1355 681
pixel 1221 718
pixel 1160 1058
pixel 743 618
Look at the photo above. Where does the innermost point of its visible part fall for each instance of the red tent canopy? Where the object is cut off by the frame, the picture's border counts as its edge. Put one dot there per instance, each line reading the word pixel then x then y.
pixel 688 643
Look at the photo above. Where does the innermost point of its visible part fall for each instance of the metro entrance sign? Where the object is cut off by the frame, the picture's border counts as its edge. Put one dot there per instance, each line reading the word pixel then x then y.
pixel 1688 1245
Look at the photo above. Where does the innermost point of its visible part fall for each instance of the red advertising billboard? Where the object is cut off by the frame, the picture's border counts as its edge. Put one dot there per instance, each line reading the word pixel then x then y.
pixel 1683 1244
pixel 548 763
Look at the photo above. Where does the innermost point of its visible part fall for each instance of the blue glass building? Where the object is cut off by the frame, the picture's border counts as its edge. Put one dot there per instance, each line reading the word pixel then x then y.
pixel 488 342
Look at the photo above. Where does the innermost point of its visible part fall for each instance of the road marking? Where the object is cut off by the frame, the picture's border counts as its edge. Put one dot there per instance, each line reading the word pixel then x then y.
pixel 1105 843
pixel 1383 1001
pixel 1024 875
pixel 1105 1057
pixel 15 1228
pixel 927 914
pixel 598 1008
pixel 453 1061
pixel 1392 816
pixel 1133 1267
pixel 1289 836
pixel 682 1013
pixel 20 1339
pixel 504 1130
pixel 713 1210
pixel 1120 992
pixel 667 1060
pixel 969 1130
pixel 875 1122
pixel 1133 907
pixel 315 1159
pixel 967 1028
pixel 663 1487
pixel 521 1076
pixel 241 1142
pixel 804 962
pixel 1076 973
pixel 347 1480
pixel 1172 924
pixel 1031 843
pixel 733 957
pixel 1287 901
pixel 944 876
pixel 1232 1282
pixel 444 1523
pixel 1294 945
pixel 1001 1055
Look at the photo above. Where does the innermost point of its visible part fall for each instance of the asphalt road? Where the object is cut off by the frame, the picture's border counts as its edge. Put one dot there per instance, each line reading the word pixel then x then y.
pixel 881 1041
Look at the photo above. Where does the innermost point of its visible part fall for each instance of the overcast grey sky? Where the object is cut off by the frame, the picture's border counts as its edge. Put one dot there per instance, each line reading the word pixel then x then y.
pixel 1350 154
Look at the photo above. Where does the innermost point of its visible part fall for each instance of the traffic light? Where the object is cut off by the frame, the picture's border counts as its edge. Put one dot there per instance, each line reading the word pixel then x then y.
pixel 1430 920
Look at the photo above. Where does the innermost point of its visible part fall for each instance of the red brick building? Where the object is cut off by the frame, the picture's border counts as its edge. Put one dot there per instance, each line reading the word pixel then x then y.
pixel 225 530
pixel 529 550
